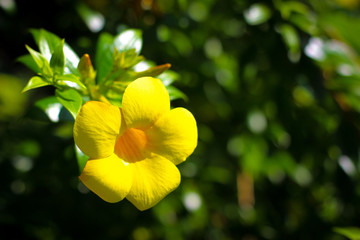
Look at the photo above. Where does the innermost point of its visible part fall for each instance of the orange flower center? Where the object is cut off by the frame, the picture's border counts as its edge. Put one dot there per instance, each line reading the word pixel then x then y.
pixel 131 144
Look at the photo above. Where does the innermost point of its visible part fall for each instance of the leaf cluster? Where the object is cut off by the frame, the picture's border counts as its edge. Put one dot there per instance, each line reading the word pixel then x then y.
pixel 117 63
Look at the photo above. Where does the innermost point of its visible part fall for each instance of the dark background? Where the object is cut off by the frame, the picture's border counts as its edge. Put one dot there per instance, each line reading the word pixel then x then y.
pixel 278 152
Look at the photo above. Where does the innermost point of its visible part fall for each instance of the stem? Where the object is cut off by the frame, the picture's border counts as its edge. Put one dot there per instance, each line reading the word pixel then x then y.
pixel 95 94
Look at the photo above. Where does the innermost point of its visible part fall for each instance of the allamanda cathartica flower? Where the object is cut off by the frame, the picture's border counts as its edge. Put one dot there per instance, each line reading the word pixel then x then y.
pixel 134 149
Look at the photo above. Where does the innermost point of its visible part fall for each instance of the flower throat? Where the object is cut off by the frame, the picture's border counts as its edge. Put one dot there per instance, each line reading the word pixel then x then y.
pixel 130 146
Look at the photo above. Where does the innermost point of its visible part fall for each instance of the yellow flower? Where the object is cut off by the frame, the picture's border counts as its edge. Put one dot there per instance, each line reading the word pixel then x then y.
pixel 134 150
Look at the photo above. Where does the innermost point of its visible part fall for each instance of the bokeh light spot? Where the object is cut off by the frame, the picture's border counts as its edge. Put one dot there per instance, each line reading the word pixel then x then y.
pixel 198 11
pixel 257 122
pixel 192 201
pixel 213 48
pixel 23 164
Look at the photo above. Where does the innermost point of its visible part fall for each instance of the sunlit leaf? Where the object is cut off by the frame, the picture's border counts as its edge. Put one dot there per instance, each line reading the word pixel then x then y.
pixel 47 42
pixel 41 62
pixel 71 60
pixel 143 65
pixel 36 82
pixel 70 80
pixel 70 99
pixel 128 39
pixel 51 107
pixel 57 61
pixel 127 44
pixel 168 77
pixel 126 59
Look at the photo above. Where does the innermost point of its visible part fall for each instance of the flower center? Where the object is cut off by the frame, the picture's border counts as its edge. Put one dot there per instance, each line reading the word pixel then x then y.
pixel 131 144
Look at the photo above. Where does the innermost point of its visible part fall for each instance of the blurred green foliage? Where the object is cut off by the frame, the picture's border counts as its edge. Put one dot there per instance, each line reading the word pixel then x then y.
pixel 352 233
pixel 274 86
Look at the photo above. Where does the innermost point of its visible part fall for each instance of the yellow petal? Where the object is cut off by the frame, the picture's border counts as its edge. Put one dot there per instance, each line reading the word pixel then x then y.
pixel 96 128
pixel 154 178
pixel 174 135
pixel 110 178
pixel 144 101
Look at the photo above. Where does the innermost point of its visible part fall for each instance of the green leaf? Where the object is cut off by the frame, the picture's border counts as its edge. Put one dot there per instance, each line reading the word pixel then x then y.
pixel 128 39
pixel 104 56
pixel 168 77
pixel 176 93
pixel 51 106
pixel 70 80
pixel 257 14
pixel 81 159
pixel 350 232
pixel 70 99
pixel 28 61
pixel 35 82
pixel 71 60
pixel 57 61
pixel 47 43
pixel 41 62
pixel 126 59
